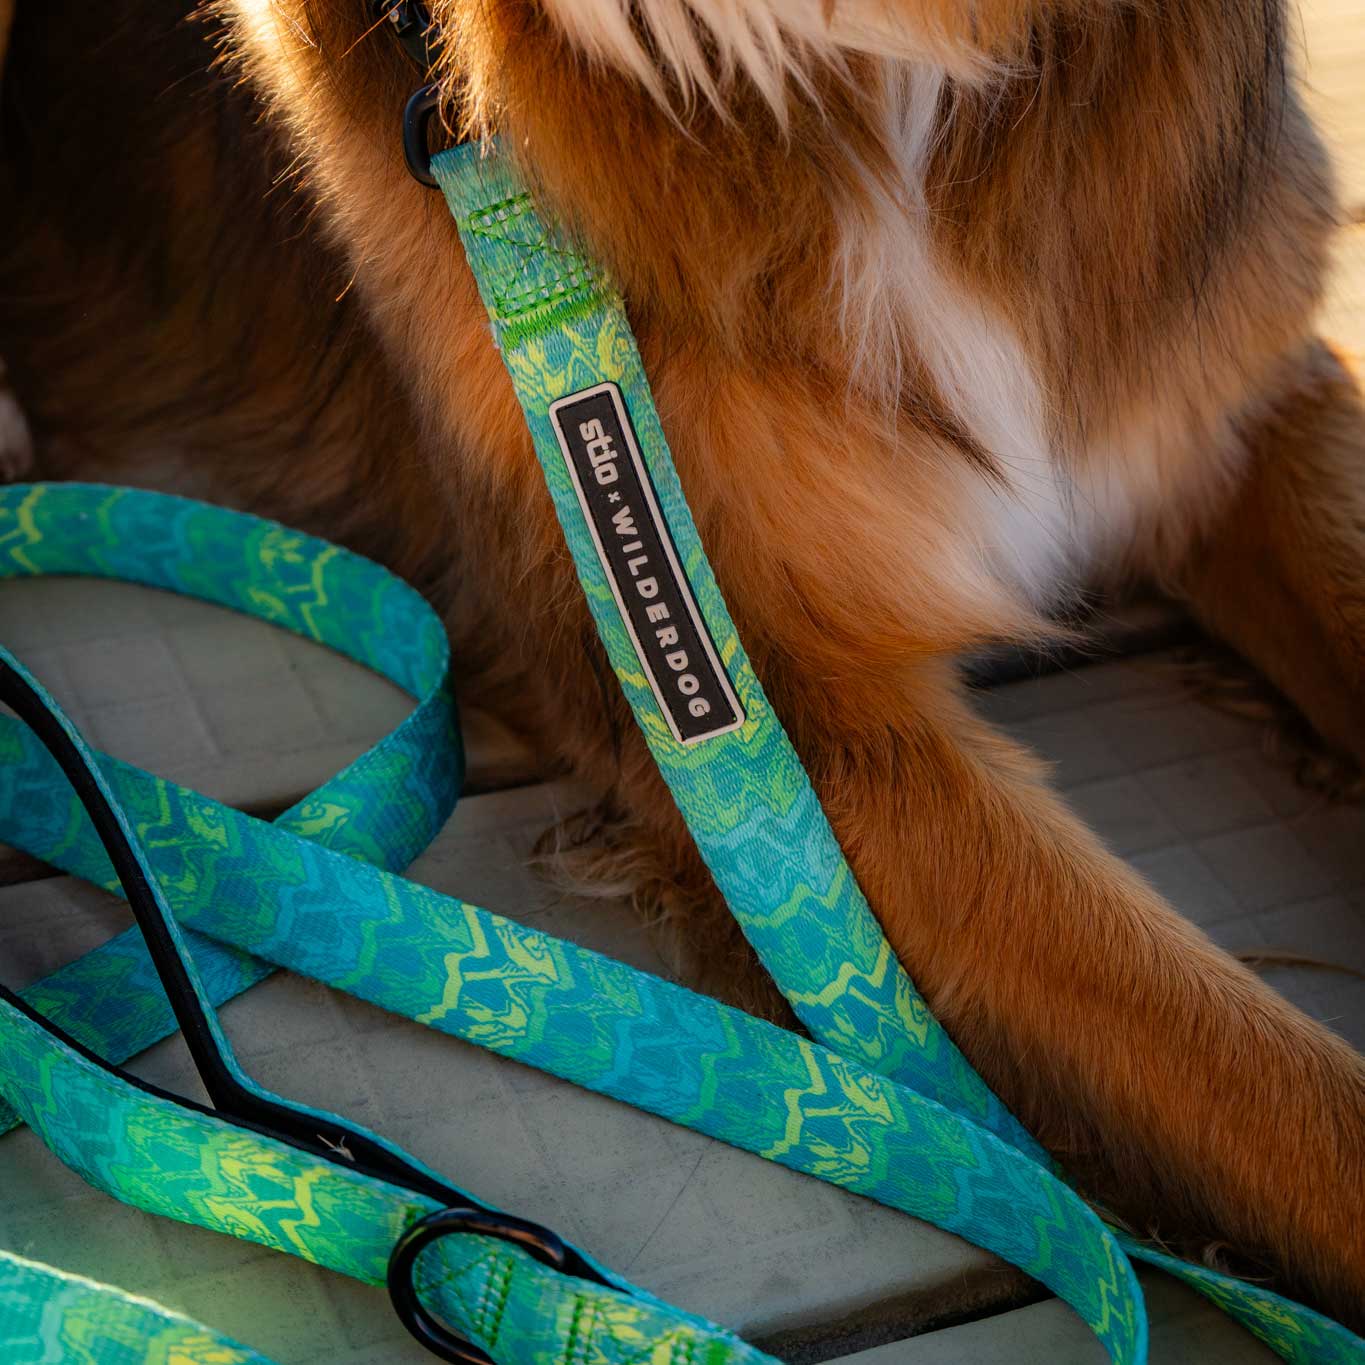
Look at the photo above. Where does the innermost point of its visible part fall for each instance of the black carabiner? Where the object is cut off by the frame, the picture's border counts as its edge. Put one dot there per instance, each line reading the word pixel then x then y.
pixel 411 23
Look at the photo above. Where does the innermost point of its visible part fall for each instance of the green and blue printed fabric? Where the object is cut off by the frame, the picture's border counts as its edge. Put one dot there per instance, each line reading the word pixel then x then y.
pixel 878 1100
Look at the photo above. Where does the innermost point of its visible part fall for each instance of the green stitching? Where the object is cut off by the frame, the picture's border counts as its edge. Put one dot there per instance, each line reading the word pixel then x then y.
pixel 504 1289
pixel 536 323
pixel 564 274
pixel 520 203
pixel 510 305
pixel 571 1351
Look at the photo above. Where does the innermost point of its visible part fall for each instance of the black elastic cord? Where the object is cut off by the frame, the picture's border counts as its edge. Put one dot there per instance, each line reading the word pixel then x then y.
pixel 29 706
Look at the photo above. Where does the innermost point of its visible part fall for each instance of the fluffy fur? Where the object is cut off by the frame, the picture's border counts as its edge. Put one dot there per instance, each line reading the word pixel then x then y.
pixel 1031 281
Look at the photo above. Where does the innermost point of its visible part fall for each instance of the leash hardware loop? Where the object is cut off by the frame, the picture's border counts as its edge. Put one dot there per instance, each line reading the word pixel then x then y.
pixel 539 1242
pixel 419 36
pixel 417 115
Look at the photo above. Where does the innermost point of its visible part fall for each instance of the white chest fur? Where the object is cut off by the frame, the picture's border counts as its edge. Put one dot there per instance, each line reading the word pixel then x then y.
pixel 1054 517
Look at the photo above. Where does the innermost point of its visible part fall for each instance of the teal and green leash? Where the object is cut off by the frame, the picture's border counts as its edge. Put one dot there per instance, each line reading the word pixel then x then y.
pixel 880 1102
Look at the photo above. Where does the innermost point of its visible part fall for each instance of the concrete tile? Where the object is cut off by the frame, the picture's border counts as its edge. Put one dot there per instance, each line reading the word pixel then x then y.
pixel 1335 836
pixel 129 669
pixel 245 722
pixel 1186 1330
pixel 1331 928
pixel 283 1313
pixel 1206 795
pixel 1074 743
pixel 168 734
pixel 1188 882
pixel 1151 731
pixel 1123 813
pixel 98 1238
pixel 223 651
pixel 1266 866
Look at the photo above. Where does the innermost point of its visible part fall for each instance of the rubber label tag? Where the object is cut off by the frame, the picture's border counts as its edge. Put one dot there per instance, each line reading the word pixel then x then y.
pixel 641 563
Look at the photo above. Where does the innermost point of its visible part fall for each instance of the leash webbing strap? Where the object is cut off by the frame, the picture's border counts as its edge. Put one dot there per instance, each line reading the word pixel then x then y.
pixel 111 1000
pixel 747 800
pixel 288 896
pixel 744 793
pixel 99 1323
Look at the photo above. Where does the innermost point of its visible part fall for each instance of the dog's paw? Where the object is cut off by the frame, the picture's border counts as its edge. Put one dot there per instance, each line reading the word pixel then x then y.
pixel 16 441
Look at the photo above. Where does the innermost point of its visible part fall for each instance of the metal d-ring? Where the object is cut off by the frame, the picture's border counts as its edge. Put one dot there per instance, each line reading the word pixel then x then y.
pixel 542 1244
pixel 417 115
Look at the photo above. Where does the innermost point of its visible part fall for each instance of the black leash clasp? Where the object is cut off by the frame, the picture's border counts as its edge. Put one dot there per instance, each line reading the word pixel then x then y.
pixel 545 1246
pixel 412 25
pixel 419 36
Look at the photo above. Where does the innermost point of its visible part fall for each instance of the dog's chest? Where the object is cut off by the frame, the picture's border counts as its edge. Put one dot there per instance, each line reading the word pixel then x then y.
pixel 1063 520
pixel 1058 512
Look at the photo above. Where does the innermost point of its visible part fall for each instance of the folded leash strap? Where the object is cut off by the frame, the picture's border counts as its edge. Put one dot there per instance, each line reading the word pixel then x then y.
pixel 297 903
pixel 880 1103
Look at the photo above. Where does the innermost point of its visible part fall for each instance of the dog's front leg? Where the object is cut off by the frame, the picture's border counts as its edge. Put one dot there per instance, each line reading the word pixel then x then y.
pixel 1281 576
pixel 1185 1094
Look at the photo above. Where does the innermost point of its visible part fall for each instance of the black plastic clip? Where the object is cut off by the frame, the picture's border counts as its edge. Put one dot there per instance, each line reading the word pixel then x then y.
pixel 545 1246
pixel 419 36
pixel 411 23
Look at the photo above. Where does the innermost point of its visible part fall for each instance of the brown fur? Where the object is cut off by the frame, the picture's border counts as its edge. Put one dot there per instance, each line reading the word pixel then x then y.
pixel 1139 195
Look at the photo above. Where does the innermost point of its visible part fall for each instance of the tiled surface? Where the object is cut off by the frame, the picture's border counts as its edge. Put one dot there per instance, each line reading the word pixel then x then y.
pixel 1186 794
pixel 707 1226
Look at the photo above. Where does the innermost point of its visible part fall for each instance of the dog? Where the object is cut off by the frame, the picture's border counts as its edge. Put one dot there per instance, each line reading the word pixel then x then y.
pixel 950 310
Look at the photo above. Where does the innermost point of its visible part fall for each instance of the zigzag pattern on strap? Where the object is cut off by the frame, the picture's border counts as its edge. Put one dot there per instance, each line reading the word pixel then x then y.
pixel 295 902
pixel 43 1310
pixel 152 1151
pixel 577 1014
